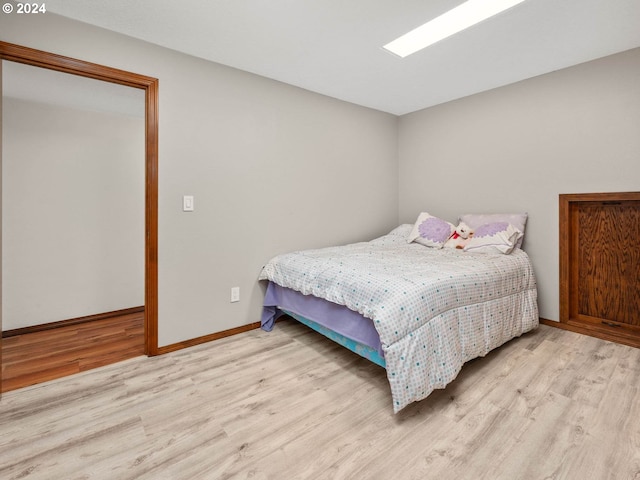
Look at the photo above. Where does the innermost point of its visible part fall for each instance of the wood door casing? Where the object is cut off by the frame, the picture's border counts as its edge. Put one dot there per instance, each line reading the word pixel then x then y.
pixel 600 264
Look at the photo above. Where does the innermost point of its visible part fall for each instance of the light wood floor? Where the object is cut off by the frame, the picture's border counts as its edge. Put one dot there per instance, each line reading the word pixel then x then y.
pixel 290 404
pixel 41 356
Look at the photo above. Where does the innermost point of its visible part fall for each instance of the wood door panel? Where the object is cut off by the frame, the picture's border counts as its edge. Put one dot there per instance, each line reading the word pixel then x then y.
pixel 608 262
pixel 600 263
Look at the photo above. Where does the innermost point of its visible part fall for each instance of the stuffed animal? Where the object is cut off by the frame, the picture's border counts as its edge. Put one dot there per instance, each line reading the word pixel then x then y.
pixel 460 237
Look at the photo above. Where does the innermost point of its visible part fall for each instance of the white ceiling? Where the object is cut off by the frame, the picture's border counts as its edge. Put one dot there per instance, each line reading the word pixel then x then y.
pixel 333 47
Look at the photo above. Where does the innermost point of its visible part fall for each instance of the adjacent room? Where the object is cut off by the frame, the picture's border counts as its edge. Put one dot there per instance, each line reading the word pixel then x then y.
pixel 179 179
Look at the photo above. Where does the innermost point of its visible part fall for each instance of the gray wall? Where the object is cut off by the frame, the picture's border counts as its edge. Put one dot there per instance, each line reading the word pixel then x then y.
pixel 272 168
pixel 275 168
pixel 73 214
pixel 516 148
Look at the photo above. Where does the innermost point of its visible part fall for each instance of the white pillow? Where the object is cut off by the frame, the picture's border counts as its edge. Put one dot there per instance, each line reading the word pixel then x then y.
pixel 475 220
pixel 430 231
pixel 496 237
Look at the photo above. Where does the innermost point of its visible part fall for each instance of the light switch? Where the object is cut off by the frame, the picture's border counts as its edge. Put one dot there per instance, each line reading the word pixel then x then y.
pixel 187 203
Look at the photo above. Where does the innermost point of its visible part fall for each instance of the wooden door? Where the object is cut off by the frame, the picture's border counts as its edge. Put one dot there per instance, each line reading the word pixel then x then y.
pixel 600 265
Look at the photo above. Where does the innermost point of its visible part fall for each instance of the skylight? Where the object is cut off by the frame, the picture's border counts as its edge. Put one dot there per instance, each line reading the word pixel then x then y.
pixel 463 16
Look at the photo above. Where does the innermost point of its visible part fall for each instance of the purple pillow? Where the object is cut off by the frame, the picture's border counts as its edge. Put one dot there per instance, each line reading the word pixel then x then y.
pixel 430 231
pixel 518 220
pixel 496 237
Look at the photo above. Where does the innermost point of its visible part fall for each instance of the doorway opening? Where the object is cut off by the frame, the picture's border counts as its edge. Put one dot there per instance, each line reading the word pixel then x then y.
pixel 149 86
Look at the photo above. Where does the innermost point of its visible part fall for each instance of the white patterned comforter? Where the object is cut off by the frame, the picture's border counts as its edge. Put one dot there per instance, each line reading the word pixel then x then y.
pixel 433 309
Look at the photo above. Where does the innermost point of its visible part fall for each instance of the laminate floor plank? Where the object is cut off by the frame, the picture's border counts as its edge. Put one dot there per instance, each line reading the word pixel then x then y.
pixel 618 412
pixel 292 404
pixel 36 357
pixel 446 441
pixel 17 380
pixel 316 426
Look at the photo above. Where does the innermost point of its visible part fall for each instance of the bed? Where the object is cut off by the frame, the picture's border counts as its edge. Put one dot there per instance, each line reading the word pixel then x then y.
pixel 419 312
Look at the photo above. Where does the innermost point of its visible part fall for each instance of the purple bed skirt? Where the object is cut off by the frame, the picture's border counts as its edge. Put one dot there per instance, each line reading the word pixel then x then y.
pixel 330 315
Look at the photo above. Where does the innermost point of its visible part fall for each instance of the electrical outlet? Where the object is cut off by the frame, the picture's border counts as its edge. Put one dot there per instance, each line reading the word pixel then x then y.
pixel 235 294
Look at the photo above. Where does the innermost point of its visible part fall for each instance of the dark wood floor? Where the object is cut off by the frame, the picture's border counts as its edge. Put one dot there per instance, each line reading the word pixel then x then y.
pixel 41 356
